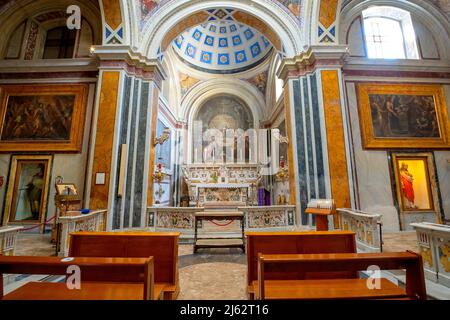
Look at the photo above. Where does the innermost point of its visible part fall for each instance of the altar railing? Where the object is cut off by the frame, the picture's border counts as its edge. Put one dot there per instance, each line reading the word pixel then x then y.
pixel 169 218
pixel 74 222
pixel 8 239
pixel 256 218
pixel 269 218
pixel 367 227
pixel 434 246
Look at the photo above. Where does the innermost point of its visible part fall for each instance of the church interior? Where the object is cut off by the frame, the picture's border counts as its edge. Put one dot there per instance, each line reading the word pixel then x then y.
pixel 224 150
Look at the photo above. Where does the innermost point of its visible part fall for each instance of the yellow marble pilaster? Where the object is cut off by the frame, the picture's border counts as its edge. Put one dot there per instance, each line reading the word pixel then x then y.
pixel 287 105
pixel 335 139
pixel 155 107
pixel 104 138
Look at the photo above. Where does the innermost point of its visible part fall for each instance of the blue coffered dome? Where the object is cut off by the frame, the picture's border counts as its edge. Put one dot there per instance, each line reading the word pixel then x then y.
pixel 222 45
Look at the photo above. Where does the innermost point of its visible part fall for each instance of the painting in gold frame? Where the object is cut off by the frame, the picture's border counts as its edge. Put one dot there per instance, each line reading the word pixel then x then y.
pixel 47 118
pixel 28 189
pixel 413 183
pixel 403 116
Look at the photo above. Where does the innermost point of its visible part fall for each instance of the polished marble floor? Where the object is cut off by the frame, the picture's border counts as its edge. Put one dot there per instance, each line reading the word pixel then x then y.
pixel 211 274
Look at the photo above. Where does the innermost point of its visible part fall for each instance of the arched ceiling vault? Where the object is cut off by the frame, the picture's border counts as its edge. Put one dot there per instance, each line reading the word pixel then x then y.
pixel 203 17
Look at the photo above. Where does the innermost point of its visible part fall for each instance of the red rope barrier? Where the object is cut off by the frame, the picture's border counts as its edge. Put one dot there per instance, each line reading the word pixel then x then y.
pixel 222 225
pixel 38 225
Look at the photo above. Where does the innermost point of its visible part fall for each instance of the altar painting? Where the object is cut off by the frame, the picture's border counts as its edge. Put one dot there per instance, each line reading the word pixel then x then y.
pixel 414 189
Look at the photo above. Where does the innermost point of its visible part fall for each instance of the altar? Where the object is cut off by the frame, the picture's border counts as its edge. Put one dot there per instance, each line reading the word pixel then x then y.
pixel 222 186
pixel 223 195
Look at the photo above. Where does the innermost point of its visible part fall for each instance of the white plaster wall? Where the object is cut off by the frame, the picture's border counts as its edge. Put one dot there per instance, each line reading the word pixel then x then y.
pixel 373 176
pixel 356 39
pixel 70 166
pixel 372 169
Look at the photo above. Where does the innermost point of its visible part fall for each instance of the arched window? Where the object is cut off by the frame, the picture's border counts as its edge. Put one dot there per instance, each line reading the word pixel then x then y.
pixel 389 33
pixel 60 43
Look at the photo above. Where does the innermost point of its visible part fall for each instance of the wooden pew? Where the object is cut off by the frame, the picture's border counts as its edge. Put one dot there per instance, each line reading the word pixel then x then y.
pixel 101 278
pixel 295 243
pixel 333 289
pixel 162 246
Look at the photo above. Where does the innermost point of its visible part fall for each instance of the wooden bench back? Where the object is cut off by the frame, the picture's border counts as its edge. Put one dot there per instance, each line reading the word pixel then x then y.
pixel 139 270
pixel 297 243
pixel 354 262
pixel 162 246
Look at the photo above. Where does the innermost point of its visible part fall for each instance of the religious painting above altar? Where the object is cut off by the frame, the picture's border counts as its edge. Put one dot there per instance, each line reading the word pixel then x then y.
pixel 42 117
pixel 403 116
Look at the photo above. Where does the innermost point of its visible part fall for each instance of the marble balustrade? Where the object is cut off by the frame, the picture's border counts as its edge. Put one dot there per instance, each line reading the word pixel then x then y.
pixel 434 246
pixel 74 222
pixel 365 225
pixel 8 239
pixel 256 218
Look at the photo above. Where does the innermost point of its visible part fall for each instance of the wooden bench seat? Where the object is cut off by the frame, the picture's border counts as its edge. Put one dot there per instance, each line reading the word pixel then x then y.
pixel 100 278
pixel 340 288
pixel 88 291
pixel 296 243
pixel 329 289
pixel 162 246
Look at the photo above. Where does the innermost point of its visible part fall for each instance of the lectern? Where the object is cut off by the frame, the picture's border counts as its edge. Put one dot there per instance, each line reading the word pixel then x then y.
pixel 321 208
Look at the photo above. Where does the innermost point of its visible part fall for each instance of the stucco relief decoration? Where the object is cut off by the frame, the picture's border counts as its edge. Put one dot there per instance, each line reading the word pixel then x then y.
pixel 260 81
pixel 148 7
pixel 293 6
pixel 269 218
pixel 187 82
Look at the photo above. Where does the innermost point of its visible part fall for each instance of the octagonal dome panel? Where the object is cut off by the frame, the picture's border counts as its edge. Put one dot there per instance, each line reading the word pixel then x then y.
pixel 222 45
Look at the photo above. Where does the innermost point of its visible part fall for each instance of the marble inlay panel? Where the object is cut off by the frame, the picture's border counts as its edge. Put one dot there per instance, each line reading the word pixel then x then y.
pixel 113 15
pixel 312 187
pixel 131 149
pixel 318 137
pixel 122 140
pixel 140 155
pixel 301 147
pixel 328 11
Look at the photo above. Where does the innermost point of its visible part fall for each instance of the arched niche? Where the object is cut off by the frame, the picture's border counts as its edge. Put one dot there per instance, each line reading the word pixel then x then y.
pixel 205 91
pixel 178 15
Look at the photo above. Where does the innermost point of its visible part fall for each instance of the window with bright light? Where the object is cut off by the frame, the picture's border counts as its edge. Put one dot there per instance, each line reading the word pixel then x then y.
pixel 389 33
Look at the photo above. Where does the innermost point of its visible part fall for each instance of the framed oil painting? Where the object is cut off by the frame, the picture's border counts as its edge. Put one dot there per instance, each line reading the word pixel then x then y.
pixel 414 191
pixel 66 189
pixel 403 116
pixel 47 118
pixel 28 189
pixel 416 188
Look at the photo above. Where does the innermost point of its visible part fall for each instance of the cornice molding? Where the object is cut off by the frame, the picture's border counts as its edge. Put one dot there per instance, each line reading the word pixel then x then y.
pixel 308 61
pixel 124 57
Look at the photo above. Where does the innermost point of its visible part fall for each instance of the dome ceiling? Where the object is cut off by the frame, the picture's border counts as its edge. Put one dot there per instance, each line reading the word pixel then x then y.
pixel 222 45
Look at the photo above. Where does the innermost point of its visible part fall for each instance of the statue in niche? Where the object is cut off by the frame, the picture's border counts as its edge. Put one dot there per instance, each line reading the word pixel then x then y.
pixel 407 186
